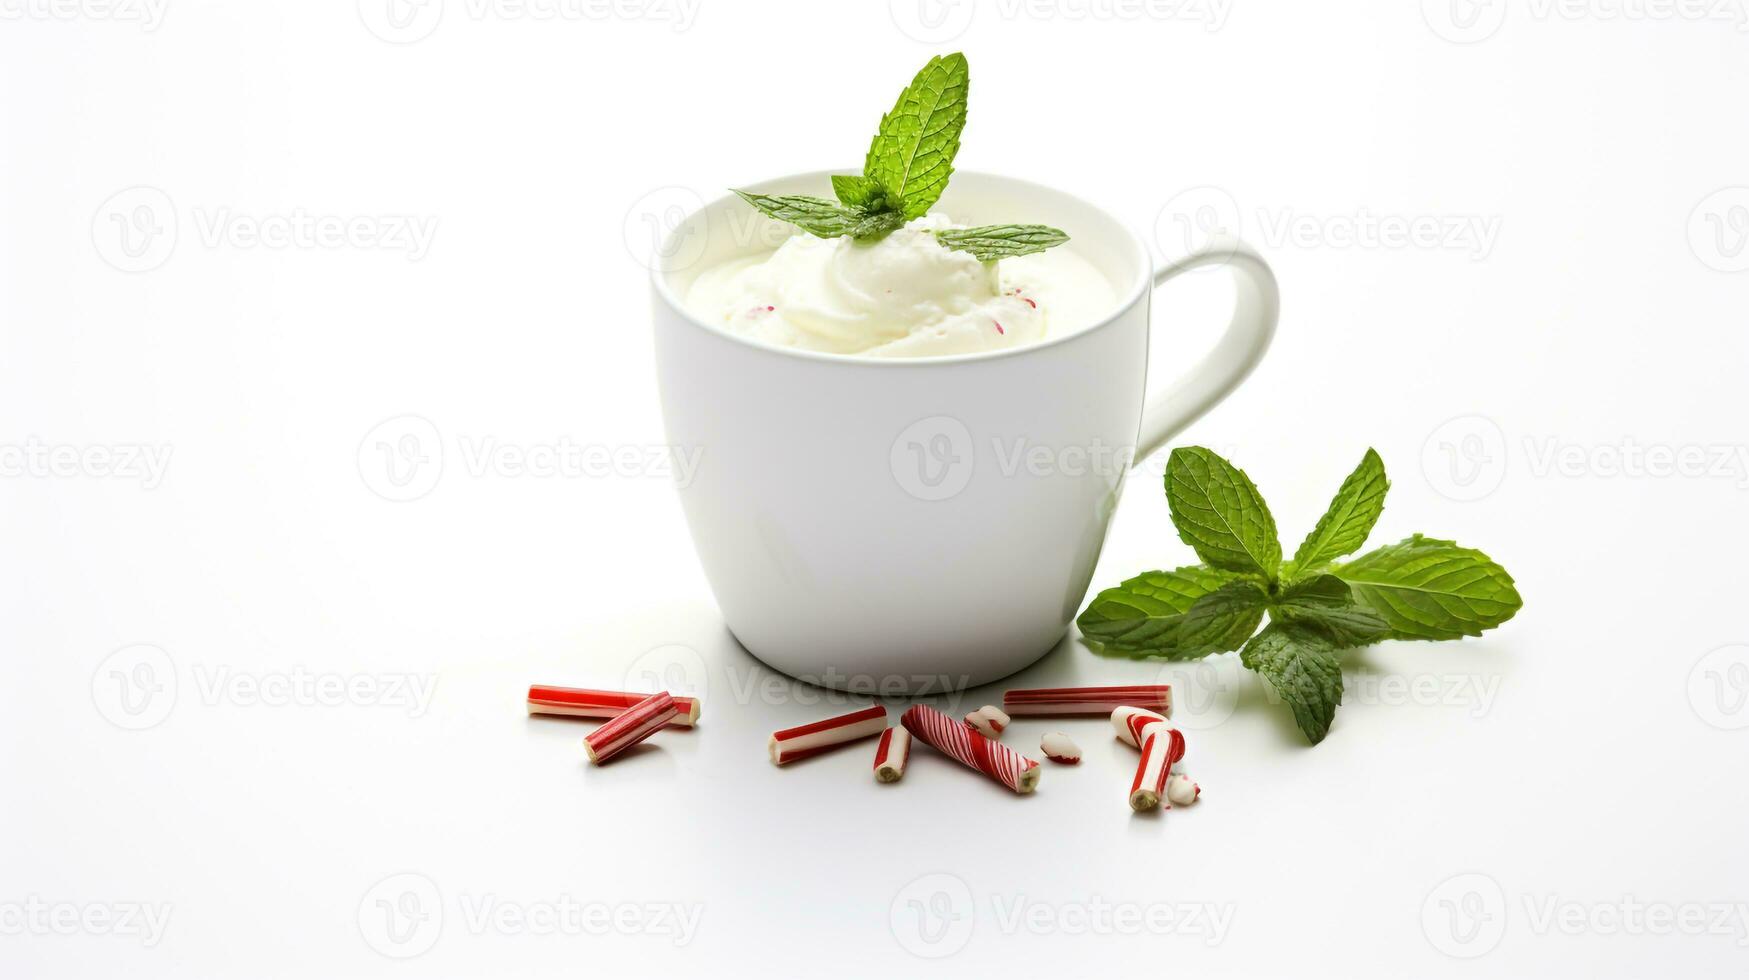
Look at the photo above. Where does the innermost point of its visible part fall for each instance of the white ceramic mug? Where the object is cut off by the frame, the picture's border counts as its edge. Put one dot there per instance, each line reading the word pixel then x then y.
pixel 900 525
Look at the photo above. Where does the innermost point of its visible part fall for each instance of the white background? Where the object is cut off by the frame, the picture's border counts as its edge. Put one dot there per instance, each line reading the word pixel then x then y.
pixel 1562 387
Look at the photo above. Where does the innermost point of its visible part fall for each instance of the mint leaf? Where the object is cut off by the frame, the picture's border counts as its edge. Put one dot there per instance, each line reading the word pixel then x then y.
pixel 859 193
pixel 876 225
pixel 987 243
pixel 1427 589
pixel 912 155
pixel 1350 517
pixel 1327 602
pixel 1302 667
pixel 1220 514
pixel 814 215
pixel 1182 614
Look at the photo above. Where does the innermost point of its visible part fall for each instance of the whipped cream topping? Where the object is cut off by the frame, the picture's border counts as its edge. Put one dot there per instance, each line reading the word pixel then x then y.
pixel 902 296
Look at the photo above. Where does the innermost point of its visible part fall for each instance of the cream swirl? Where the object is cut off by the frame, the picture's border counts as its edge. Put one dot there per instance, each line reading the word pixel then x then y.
pixel 902 296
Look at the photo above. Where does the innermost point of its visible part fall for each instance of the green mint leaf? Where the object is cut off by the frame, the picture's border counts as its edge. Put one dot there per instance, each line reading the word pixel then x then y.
pixel 912 155
pixel 1327 602
pixel 876 225
pixel 1182 614
pixel 1428 589
pixel 814 215
pixel 860 193
pixel 1350 517
pixel 1220 514
pixel 1302 667
pixel 987 243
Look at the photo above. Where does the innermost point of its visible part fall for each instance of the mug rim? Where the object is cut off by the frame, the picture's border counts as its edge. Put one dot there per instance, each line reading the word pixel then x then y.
pixel 659 279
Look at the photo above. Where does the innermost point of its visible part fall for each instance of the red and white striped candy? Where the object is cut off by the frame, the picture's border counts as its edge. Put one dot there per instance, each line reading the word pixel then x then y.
pixel 581 702
pixel 1087 700
pixel 1128 721
pixel 803 741
pixel 630 727
pixel 988 720
pixel 1161 747
pixel 892 754
pixel 970 749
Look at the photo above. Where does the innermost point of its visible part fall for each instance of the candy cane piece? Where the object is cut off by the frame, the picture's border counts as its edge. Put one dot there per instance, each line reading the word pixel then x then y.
pixel 1182 790
pixel 812 739
pixel 581 702
pixel 1162 745
pixel 892 754
pixel 988 720
pixel 1087 700
pixel 1058 747
pixel 971 749
pixel 630 727
pixel 1128 721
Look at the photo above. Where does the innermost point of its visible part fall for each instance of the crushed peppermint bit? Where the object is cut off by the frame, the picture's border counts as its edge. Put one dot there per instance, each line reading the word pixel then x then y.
pixel 1029 302
pixel 999 329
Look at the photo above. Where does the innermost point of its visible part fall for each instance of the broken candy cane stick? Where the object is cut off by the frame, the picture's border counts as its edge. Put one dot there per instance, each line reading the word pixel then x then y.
pixel 988 720
pixel 581 702
pixel 1162 745
pixel 970 749
pixel 803 741
pixel 1087 700
pixel 1128 721
pixel 892 754
pixel 630 727
pixel 1058 747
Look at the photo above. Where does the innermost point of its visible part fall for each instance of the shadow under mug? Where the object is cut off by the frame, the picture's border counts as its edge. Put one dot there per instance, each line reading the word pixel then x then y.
pixel 903 526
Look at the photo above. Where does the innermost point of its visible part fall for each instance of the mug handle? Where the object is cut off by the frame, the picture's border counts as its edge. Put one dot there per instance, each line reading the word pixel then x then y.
pixel 1256 307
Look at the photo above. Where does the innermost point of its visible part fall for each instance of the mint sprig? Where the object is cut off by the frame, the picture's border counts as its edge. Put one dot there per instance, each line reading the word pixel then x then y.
pixel 904 173
pixel 1418 589
pixel 911 156
pixel 987 243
